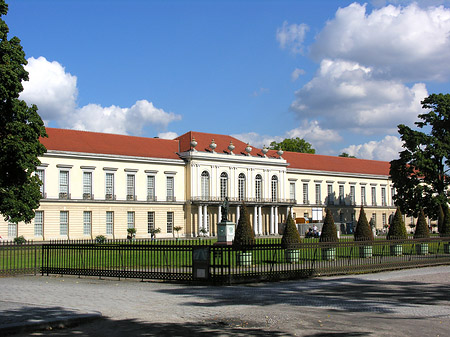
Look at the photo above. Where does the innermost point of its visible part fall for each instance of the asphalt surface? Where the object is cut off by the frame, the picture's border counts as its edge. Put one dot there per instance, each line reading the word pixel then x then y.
pixel 414 302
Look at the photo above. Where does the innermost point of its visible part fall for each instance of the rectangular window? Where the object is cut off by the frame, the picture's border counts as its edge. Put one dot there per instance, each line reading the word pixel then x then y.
pixel 363 195
pixel 39 223
pixel 40 174
pixel 12 230
pixel 150 221
pixel 130 187
pixel 109 186
pixel 305 194
pixel 384 219
pixel 169 222
pixel 130 219
pixel 64 184
pixel 87 222
pixel 170 192
pixel 392 196
pixel 352 194
pixel 330 197
pixel 383 196
pixel 223 186
pixel 87 185
pixel 374 196
pixel 63 223
pixel 341 195
pixel 151 188
pixel 109 223
pixel 292 191
pixel 258 189
pixel 318 196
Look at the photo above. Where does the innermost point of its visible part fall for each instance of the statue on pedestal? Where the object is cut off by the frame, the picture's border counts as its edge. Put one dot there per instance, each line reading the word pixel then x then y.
pixel 225 210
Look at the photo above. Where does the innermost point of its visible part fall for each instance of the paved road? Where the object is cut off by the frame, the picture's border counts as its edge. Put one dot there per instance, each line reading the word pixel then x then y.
pixel 413 302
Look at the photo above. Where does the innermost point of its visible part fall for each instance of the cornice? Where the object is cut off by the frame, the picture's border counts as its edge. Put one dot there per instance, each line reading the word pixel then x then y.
pixel 338 174
pixel 219 157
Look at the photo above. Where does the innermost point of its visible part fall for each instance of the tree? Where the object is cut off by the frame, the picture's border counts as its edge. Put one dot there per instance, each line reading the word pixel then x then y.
pixel 420 175
pixel 293 145
pixel 346 155
pixel 291 236
pixel 21 127
pixel 422 230
pixel 244 235
pixel 329 233
pixel 363 231
pixel 397 229
pixel 445 230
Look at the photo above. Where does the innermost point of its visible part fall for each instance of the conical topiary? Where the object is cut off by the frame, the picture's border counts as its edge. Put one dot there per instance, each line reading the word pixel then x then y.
pixel 445 230
pixel 291 236
pixel 329 233
pixel 363 231
pixel 421 227
pixel 397 230
pixel 244 235
pixel 440 218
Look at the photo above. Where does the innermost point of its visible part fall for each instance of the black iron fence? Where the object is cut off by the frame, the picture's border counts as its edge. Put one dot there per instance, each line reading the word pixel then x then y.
pixel 203 261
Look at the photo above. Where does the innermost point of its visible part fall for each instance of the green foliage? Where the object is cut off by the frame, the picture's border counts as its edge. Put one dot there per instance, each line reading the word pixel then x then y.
pixel 422 230
pixel 440 219
pixel 445 230
pixel 397 230
pixel 20 130
pixel 346 155
pixel 293 145
pixel 20 240
pixel 131 233
pixel 420 175
pixel 100 239
pixel 329 233
pixel 363 231
pixel 244 235
pixel 291 236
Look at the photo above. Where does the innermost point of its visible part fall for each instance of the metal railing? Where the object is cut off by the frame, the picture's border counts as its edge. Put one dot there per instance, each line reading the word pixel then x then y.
pixel 20 258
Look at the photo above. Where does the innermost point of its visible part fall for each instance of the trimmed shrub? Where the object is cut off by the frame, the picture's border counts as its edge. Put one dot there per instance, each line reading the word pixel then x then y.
pixel 329 233
pixel 440 218
pixel 244 235
pixel 397 230
pixel 445 230
pixel 363 231
pixel 291 236
pixel 100 239
pixel 20 240
pixel 421 227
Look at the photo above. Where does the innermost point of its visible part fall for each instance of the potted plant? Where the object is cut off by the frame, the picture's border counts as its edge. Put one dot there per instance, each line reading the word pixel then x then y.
pixel 177 229
pixel 20 240
pixel 291 240
pixel 422 232
pixel 445 230
pixel 154 231
pixel 131 233
pixel 364 233
pixel 397 231
pixel 100 239
pixel 244 238
pixel 329 234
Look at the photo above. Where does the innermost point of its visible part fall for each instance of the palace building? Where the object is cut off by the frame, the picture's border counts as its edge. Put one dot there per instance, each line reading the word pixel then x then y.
pixel 102 184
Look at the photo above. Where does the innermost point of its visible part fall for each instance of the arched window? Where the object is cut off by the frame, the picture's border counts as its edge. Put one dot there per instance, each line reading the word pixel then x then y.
pixel 241 186
pixel 274 188
pixel 258 184
pixel 205 185
pixel 223 185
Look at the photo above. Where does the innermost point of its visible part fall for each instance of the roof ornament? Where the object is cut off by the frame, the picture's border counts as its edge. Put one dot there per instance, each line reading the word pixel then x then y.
pixel 193 144
pixel 213 145
pixel 231 147
pixel 248 149
pixel 264 150
pixel 280 153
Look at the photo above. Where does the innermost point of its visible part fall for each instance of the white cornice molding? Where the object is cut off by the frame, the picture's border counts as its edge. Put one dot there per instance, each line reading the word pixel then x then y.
pixel 97 156
pixel 219 157
pixel 338 174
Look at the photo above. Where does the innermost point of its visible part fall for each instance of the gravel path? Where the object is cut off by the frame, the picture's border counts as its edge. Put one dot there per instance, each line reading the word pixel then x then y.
pixel 414 302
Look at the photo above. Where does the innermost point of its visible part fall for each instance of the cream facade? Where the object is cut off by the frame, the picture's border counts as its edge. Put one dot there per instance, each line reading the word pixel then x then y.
pixel 91 190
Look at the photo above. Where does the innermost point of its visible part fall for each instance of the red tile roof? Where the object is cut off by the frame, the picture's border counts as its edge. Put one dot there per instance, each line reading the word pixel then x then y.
pixel 105 143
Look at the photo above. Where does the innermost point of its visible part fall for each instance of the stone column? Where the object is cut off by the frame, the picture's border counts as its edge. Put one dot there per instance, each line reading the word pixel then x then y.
pixel 271 220
pixel 276 220
pixel 205 219
pixel 260 220
pixel 220 214
pixel 200 219
pixel 255 220
pixel 238 213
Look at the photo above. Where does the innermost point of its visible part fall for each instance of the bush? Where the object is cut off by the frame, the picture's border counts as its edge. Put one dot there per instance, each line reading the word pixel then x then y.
pixel 445 230
pixel 100 239
pixel 131 233
pixel 244 235
pixel 422 230
pixel 397 230
pixel 291 236
pixel 363 230
pixel 329 233
pixel 20 240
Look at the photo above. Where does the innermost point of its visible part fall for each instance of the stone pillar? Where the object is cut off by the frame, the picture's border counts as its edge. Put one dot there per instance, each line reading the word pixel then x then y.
pixel 255 220
pixel 220 214
pixel 200 219
pixel 205 219
pixel 238 213
pixel 271 221
pixel 260 221
pixel 276 220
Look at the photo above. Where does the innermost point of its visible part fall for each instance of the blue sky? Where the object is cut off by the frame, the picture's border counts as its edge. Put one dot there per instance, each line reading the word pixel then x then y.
pixel 340 74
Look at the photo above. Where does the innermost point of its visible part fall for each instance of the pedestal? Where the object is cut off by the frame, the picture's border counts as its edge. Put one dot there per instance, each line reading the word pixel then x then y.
pixel 225 232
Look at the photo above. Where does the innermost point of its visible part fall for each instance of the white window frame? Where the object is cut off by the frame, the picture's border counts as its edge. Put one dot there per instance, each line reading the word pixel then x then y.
pixel 292 191
pixel 131 186
pixel 305 194
pixel 109 223
pixel 13 230
pixel 64 184
pixel 258 187
pixel 223 185
pixel 205 185
pixel 341 194
pixel 150 221
pixel 39 223
pixel 64 223
pixel 274 189
pixel 241 186
pixel 318 193
pixel 170 221
pixel 330 197
pixel 170 188
pixel 373 190
pixel 353 194
pixel 131 216
pixel 363 196
pixel 87 222
pixel 109 185
pixel 87 184
pixel 151 188
pixel 40 173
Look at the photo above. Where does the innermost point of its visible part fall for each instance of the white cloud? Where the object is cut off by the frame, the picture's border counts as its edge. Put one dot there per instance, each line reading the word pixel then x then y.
pixel 345 95
pixel 296 74
pixel 292 36
pixel 260 91
pixel 407 43
pixel 168 135
pixel 55 93
pixel 386 149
